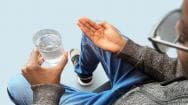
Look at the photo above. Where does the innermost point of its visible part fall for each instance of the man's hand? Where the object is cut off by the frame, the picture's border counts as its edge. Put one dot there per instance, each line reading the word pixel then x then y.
pixel 102 35
pixel 35 74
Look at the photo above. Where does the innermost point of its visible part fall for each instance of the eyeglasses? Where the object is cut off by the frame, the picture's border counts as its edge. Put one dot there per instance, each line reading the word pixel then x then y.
pixel 165 35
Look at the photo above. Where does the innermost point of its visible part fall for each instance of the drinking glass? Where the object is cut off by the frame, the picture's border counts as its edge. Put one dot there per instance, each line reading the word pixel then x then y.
pixel 49 43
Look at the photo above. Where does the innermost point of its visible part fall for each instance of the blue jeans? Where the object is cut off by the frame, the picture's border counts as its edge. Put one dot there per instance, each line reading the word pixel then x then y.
pixel 122 77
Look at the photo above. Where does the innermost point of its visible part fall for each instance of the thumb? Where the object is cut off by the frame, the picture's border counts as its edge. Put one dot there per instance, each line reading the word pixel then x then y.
pixel 33 59
pixel 60 66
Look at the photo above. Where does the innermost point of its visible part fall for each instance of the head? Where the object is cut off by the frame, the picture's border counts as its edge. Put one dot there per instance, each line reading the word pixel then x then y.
pixel 182 29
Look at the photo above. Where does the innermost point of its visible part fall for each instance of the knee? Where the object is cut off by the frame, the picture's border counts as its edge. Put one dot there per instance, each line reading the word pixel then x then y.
pixel 85 40
pixel 16 83
pixel 19 90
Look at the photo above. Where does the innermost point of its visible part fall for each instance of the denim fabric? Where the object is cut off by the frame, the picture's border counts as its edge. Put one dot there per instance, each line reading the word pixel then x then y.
pixel 122 77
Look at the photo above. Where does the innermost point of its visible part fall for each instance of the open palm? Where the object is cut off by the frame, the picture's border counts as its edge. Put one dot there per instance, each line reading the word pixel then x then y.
pixel 102 35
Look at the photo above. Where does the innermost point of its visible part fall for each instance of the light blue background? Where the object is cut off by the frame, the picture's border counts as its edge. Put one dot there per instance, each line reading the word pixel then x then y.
pixel 19 19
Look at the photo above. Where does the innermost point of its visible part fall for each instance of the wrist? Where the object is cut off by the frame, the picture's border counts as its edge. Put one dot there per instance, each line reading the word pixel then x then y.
pixel 122 44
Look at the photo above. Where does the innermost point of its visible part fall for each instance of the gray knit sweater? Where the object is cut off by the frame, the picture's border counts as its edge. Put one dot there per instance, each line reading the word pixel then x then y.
pixel 47 94
pixel 158 66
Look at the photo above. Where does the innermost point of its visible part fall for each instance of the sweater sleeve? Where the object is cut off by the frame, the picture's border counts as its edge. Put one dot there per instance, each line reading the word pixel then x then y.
pixel 46 94
pixel 157 65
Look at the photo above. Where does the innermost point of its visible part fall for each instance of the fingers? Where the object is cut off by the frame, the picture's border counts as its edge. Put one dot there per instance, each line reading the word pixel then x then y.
pixel 85 30
pixel 92 23
pixel 40 60
pixel 34 57
pixel 35 54
pixel 89 23
pixel 60 66
pixel 86 23
pixel 24 71
pixel 88 27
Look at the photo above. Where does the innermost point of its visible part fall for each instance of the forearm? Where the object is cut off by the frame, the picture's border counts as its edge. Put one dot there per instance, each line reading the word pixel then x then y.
pixel 47 94
pixel 158 66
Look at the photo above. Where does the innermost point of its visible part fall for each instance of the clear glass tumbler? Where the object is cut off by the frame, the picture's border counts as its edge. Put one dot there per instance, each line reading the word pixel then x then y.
pixel 49 43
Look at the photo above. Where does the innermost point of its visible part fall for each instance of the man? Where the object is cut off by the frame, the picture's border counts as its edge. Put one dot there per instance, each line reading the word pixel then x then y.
pixel 122 75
